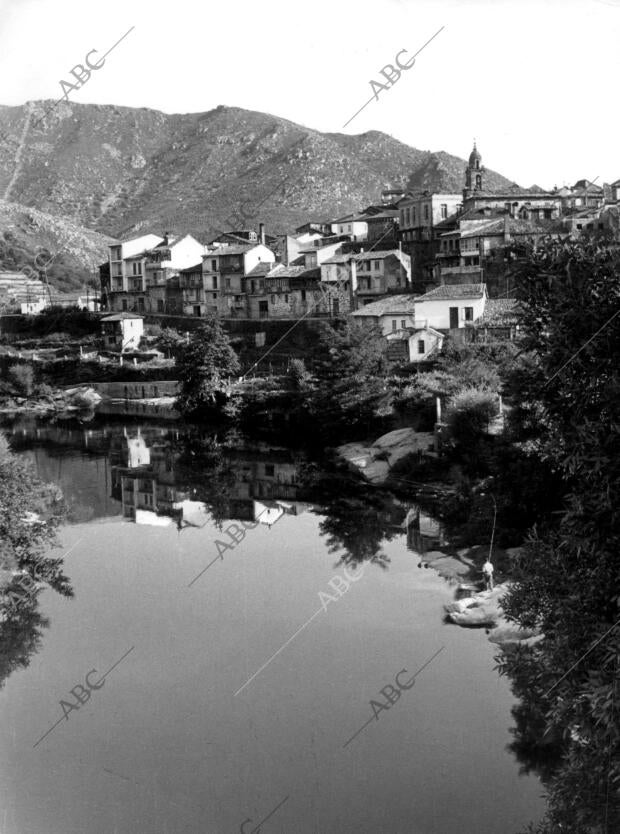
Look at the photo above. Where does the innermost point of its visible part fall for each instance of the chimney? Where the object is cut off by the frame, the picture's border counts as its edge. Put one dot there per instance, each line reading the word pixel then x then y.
pixel 261 233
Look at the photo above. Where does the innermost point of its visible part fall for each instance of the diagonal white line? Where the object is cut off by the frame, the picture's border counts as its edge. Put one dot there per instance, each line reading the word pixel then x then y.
pixel 264 666
pixel 585 345
pixel 593 646
pixel 373 97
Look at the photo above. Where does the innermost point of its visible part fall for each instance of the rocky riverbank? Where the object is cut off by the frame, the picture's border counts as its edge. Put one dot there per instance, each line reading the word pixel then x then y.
pixel 57 401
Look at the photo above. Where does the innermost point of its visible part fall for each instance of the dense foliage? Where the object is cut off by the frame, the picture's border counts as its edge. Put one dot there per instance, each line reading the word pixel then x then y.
pixel 204 367
pixel 568 578
pixel 30 512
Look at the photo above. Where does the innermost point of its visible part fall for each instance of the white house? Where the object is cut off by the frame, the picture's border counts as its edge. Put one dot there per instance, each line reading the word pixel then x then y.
pixel 414 345
pixel 122 331
pixel 355 227
pixel 392 314
pixel 143 263
pixel 451 306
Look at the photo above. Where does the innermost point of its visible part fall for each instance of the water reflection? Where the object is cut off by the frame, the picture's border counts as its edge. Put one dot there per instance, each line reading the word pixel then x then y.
pixel 182 478
pixel 162 475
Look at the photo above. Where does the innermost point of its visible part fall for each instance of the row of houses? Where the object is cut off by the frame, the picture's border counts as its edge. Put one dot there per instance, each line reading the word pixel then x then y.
pixel 466 236
pixel 315 272
pixel 410 242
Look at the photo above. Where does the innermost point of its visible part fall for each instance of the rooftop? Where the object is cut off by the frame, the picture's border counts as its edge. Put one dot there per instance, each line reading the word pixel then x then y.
pixel 454 291
pixel 391 304
pixel 121 317
pixel 499 312
pixel 378 254
pixel 262 268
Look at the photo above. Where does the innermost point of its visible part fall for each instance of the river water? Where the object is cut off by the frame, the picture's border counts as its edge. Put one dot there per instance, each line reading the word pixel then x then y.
pixel 231 697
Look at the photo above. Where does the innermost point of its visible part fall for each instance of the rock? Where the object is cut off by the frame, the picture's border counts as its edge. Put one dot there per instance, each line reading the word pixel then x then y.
pixel 507 633
pixel 482 609
pixel 82 397
pixel 375 462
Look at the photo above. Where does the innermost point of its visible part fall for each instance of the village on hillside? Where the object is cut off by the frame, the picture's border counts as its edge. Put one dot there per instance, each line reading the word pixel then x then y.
pixel 418 265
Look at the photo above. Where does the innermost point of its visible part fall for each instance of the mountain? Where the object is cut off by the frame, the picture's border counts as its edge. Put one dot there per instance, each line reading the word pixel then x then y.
pixel 31 239
pixel 121 170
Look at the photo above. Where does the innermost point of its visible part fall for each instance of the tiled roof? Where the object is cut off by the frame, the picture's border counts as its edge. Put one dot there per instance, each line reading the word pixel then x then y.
pixel 233 250
pixel 378 254
pixel 499 312
pixel 260 269
pixel 454 291
pixel 121 316
pixel 192 268
pixel 282 271
pixel 390 304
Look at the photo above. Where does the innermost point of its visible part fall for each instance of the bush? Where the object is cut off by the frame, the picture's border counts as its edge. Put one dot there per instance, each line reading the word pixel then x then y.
pixel 22 377
pixel 469 414
pixel 44 390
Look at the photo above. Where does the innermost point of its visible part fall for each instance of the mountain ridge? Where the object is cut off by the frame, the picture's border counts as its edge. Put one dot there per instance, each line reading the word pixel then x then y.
pixel 121 170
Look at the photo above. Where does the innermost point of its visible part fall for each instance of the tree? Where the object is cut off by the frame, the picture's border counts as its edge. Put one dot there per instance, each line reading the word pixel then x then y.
pixel 170 341
pixel 349 368
pixel 204 365
pixel 22 377
pixel 567 581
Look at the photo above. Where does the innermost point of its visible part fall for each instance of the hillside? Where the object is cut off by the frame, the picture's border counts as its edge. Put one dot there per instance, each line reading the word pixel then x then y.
pixel 72 251
pixel 119 170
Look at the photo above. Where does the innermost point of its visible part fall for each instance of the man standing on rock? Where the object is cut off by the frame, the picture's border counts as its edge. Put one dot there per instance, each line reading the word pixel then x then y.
pixel 487 573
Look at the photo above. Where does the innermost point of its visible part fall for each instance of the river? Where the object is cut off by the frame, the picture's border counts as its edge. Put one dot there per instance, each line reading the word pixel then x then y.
pixel 224 685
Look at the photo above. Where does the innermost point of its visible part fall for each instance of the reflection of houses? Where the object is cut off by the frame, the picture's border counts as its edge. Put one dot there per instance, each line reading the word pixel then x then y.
pixel 264 490
pixel 424 533
pixel 145 482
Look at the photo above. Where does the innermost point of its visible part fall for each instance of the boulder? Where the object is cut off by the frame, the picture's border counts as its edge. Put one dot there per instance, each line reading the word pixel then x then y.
pixel 482 609
pixel 83 397
pixel 374 462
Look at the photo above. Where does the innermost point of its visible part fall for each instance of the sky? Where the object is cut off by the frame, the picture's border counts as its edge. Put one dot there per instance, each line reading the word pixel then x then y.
pixel 535 83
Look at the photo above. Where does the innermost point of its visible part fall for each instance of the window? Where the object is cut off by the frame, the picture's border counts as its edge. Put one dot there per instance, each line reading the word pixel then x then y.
pixel 303 295
pixel 286 298
pixel 160 305
pixel 215 296
pixel 137 285
pixel 213 266
pixel 469 313
pixel 141 304
pixel 214 282
pixel 421 346
pixel 136 268
pixel 273 299
pixel 270 470
pixel 377 266
pixel 413 215
pixel 444 210
pixel 124 305
pixel 115 253
pixel 394 324
pixel 403 323
pixel 580 225
pixel 426 211
pixel 478 180
pixel 228 283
